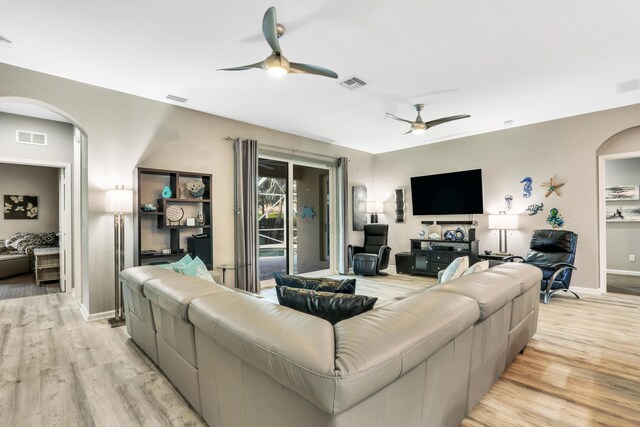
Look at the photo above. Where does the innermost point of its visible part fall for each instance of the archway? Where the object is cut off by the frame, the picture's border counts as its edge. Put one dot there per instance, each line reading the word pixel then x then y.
pixel 75 192
pixel 622 146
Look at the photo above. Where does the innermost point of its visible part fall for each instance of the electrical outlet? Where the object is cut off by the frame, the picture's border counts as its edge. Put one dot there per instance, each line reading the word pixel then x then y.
pixel 632 257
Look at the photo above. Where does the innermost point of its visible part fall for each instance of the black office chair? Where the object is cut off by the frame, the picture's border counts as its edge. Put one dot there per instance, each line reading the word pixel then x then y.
pixel 554 252
pixel 373 256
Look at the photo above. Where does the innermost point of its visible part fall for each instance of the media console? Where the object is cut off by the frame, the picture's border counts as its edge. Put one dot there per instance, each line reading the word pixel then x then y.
pixel 430 256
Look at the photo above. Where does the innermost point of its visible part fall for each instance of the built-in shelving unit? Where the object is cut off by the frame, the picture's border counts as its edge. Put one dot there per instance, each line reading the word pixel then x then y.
pixel 155 231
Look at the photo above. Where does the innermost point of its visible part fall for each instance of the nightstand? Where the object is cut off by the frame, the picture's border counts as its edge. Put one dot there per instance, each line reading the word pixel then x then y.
pixel 47 264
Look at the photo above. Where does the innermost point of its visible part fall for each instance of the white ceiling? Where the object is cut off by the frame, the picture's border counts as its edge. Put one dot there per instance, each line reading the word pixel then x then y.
pixel 496 60
pixel 31 110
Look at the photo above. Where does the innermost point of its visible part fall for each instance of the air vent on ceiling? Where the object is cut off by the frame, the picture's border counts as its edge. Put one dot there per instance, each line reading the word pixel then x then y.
pixel 32 138
pixel 353 83
pixel 176 98
pixel 628 86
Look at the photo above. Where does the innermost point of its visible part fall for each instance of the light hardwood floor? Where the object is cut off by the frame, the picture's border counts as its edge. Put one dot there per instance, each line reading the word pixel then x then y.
pixel 581 369
pixel 623 284
pixel 25 285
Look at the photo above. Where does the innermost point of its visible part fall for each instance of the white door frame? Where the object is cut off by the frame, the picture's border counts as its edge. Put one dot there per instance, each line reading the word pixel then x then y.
pixel 290 160
pixel 602 211
pixel 62 198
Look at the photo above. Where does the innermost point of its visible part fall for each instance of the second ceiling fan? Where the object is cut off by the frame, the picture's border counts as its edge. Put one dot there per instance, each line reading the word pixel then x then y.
pixel 419 126
pixel 276 64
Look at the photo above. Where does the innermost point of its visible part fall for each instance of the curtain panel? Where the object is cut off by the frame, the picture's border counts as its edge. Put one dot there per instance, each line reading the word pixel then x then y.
pixel 342 199
pixel 246 215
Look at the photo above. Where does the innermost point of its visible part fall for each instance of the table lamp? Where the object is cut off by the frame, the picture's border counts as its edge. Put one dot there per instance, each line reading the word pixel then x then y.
pixel 503 222
pixel 374 208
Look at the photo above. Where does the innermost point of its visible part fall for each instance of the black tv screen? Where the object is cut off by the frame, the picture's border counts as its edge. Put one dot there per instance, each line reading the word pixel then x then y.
pixel 448 193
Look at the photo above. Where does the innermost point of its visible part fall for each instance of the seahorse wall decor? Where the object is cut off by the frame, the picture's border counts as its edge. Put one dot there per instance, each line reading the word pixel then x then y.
pixel 527 181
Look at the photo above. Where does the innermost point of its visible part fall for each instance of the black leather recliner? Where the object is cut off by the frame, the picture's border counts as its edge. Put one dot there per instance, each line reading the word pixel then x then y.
pixel 373 256
pixel 554 252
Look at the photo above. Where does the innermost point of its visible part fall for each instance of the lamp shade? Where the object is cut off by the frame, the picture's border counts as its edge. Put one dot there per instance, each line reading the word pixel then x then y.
pixel 374 207
pixel 119 200
pixel 503 222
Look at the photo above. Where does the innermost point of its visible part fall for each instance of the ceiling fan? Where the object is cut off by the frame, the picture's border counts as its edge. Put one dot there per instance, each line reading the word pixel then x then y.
pixel 276 64
pixel 418 126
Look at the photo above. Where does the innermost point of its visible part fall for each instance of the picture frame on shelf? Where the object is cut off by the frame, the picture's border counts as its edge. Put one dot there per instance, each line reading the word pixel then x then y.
pixel 621 193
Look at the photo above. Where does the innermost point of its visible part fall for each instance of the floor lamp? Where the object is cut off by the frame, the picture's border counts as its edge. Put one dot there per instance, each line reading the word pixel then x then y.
pixel 119 202
pixel 503 222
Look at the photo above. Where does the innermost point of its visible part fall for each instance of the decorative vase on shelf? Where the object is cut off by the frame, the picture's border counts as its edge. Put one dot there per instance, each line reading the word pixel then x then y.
pixel 200 218
pixel 166 192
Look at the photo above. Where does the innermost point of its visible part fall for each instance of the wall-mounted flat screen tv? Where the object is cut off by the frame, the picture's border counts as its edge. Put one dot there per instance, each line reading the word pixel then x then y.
pixel 448 193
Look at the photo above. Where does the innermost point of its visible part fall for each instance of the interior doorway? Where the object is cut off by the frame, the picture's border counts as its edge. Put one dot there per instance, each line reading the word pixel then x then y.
pixel 620 207
pixel 294 218
pixel 35 254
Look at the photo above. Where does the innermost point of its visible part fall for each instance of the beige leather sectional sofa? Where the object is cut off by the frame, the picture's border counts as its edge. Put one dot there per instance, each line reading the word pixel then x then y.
pixel 244 361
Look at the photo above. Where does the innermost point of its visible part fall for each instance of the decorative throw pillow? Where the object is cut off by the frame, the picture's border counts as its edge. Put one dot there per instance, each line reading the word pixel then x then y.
pixel 332 307
pixel 184 261
pixel 455 269
pixel 196 268
pixel 477 267
pixel 322 284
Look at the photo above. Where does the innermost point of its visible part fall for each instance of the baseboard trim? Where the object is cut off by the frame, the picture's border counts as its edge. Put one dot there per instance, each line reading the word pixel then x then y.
pixel 624 272
pixel 590 291
pixel 95 316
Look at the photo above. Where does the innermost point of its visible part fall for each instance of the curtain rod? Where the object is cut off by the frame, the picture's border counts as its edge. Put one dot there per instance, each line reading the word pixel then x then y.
pixel 291 150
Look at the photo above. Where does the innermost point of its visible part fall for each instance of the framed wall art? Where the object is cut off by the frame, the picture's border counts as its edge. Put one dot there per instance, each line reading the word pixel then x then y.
pixel 359 200
pixel 622 192
pixel 20 207
pixel 623 213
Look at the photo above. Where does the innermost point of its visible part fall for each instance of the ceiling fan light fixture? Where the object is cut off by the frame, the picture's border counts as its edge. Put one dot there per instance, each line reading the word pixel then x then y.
pixel 276 65
pixel 418 131
pixel 277 71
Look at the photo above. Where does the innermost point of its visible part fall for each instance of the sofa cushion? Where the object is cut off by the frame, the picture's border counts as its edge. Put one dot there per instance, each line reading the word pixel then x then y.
pixel 455 269
pixel 136 277
pixel 332 307
pixel 322 284
pixel 527 275
pixel 491 291
pixel 174 293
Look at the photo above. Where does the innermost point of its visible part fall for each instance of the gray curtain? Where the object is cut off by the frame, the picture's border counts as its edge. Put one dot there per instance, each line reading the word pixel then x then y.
pixel 246 215
pixel 342 198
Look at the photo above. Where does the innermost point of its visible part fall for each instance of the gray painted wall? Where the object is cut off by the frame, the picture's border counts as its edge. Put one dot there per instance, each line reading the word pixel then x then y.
pixel 563 149
pixel 623 239
pixel 126 131
pixel 30 181
pixel 59 139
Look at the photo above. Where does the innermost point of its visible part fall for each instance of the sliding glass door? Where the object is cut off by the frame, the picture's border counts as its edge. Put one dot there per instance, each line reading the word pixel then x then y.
pixel 294 224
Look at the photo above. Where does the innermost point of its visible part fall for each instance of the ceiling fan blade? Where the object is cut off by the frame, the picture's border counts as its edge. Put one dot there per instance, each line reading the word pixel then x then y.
pixel 442 120
pixel 398 118
pixel 295 67
pixel 244 67
pixel 407 133
pixel 269 29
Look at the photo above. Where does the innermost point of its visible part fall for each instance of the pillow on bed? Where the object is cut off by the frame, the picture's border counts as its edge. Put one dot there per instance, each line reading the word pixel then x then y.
pixel 27 242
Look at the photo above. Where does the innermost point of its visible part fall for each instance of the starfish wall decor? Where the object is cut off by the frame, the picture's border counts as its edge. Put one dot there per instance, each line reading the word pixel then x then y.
pixel 552 187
